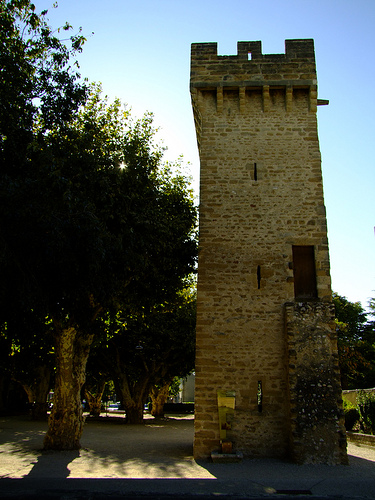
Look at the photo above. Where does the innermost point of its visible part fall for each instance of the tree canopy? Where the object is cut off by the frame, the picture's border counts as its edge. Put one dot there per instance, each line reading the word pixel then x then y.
pixel 39 89
pixel 146 348
pixel 38 79
pixel 91 221
pixel 356 344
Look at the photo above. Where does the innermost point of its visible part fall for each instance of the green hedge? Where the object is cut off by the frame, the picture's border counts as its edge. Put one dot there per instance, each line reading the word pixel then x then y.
pixel 366 409
pixel 178 408
pixel 362 415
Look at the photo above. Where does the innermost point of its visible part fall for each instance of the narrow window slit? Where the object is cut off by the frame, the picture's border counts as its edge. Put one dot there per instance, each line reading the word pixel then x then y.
pixel 260 396
pixel 249 56
pixel 255 172
pixel 258 277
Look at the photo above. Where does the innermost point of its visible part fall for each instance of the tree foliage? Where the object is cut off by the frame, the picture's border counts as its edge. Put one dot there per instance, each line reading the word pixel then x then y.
pixel 91 221
pixel 28 357
pixel 356 344
pixel 147 348
pixel 39 89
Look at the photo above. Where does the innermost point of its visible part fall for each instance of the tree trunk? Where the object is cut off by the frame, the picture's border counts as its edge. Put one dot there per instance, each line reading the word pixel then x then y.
pixel 66 420
pixel 95 400
pixel 133 400
pixel 344 381
pixel 2 393
pixel 39 411
pixel 42 387
pixel 37 391
pixel 159 396
pixel 134 412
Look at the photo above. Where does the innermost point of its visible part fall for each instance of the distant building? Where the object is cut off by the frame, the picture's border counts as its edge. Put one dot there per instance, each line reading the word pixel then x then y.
pixel 187 388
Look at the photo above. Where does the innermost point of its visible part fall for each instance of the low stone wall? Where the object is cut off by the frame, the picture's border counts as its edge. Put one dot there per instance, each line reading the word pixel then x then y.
pixel 366 439
pixel 351 395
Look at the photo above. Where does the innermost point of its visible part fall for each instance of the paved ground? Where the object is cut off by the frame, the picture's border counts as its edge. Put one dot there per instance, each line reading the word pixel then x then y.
pixel 154 460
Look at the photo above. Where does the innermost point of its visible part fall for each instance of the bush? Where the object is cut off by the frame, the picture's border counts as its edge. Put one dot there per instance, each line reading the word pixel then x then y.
pixel 366 410
pixel 178 408
pixel 351 414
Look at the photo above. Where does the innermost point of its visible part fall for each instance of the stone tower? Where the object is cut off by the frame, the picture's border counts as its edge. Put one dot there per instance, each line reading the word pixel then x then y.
pixel 265 332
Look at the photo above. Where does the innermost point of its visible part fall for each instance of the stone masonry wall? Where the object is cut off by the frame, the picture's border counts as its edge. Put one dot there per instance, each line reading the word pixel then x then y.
pixel 260 193
pixel 317 420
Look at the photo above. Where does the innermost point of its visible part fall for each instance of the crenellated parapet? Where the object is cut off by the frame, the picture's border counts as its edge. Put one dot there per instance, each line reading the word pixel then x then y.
pixel 250 70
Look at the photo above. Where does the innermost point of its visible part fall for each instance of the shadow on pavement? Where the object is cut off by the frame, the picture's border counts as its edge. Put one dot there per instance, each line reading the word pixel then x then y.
pixel 53 464
pixel 154 460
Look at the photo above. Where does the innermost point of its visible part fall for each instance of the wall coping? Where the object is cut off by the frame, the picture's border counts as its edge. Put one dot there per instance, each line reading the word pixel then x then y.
pixel 356 437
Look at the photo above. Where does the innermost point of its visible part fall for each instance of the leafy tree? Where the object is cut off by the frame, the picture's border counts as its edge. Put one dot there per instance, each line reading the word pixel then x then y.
pixel 94 395
pixel 159 394
pixel 366 410
pixel 371 313
pixel 39 91
pixel 112 231
pixel 36 81
pixel 89 221
pixel 29 358
pixel 5 350
pixel 149 348
pixel 356 344
pixel 97 379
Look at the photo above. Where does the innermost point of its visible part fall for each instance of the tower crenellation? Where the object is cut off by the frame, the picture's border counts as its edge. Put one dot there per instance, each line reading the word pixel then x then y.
pixel 250 66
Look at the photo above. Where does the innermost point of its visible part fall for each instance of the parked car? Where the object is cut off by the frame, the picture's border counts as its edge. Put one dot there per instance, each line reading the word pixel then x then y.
pixel 114 407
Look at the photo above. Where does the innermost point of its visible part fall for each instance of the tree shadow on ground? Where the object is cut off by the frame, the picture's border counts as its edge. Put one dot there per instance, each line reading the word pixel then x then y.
pixel 54 462
pixel 156 458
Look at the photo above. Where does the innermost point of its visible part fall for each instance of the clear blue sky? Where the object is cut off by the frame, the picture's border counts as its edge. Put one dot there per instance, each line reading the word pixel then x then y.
pixel 140 52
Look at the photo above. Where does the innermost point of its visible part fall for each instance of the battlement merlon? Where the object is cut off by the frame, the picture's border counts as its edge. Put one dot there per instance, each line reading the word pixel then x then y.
pixel 249 68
